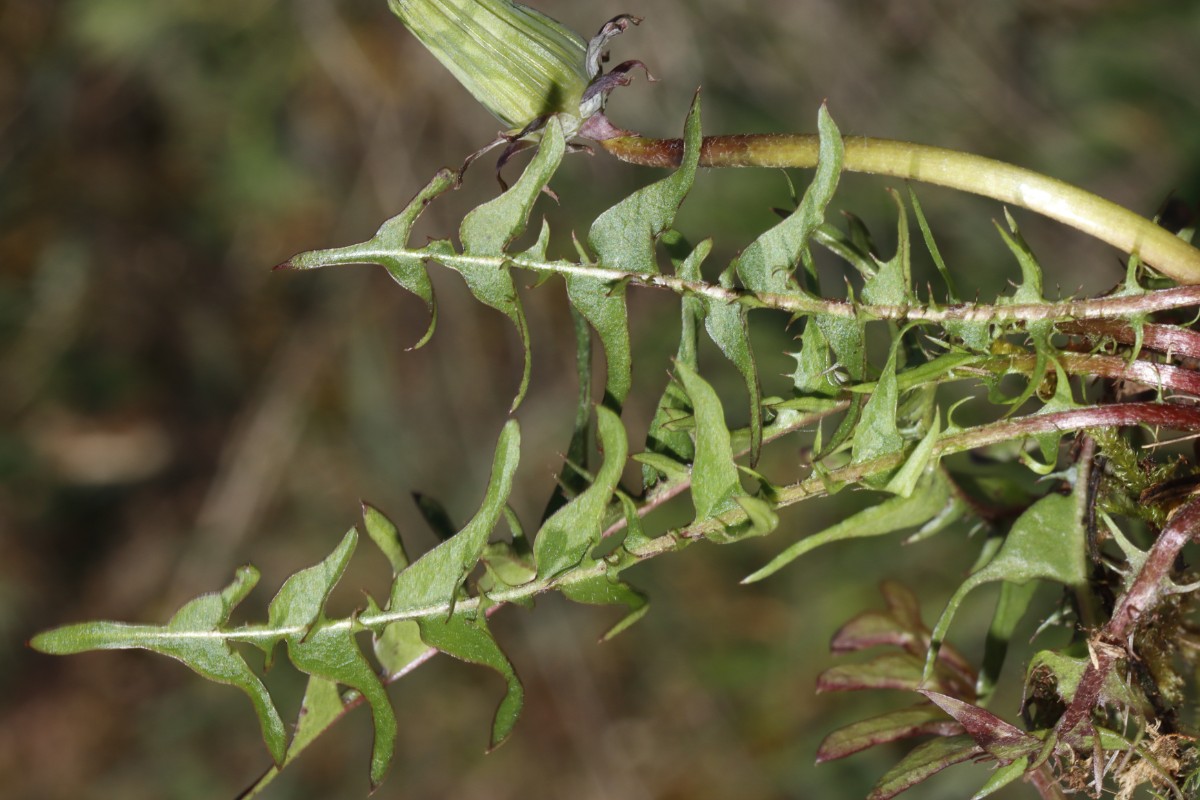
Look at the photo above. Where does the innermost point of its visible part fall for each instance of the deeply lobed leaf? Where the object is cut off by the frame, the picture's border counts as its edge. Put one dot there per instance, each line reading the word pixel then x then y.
pixel 328 650
pixel 767 264
pixel 389 248
pixel 715 479
pixel 435 578
pixel 184 638
pixel 490 228
pixel 1045 543
pixel 573 531
pixel 624 238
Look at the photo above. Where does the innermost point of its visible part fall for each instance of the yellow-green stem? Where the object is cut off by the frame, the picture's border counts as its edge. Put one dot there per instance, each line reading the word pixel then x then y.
pixel 1017 186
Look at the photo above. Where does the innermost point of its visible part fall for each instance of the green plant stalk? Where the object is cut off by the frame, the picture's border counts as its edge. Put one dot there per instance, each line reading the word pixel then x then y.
pixel 966 172
pixel 1111 307
pixel 1185 418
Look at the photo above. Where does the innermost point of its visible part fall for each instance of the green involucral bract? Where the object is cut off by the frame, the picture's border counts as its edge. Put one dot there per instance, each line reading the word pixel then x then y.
pixel 520 64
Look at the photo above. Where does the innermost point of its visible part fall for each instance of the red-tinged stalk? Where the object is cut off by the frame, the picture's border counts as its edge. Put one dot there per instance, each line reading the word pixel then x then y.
pixel 966 172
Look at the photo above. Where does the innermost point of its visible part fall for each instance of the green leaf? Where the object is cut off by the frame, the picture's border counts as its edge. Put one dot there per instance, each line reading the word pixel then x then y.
pixel 624 236
pixel 571 480
pixel 905 481
pixel 435 578
pixel 761 518
pixel 1014 602
pixel 847 246
pixel 674 471
pixel 399 646
pixel 604 590
pixel 1030 288
pixel 815 371
pixel 877 434
pixel 635 533
pixel 847 337
pixel 602 304
pixel 537 252
pixel 766 265
pixel 470 640
pixel 715 479
pixel 328 650
pixel 321 708
pixel 386 536
pixel 1063 400
pixel 566 538
pixel 1029 291
pixel 1047 542
pixel 931 246
pixel 919 720
pixel 435 515
pixel 183 638
pixel 663 438
pixel 895 513
pixel 1002 777
pixel 624 239
pixel 507 566
pixel 388 248
pixel 923 762
pixel 1066 670
pixel 489 229
pixel 728 326
pixel 892 283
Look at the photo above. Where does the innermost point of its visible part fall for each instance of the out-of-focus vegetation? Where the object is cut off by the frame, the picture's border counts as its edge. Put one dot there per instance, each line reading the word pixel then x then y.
pixel 171 409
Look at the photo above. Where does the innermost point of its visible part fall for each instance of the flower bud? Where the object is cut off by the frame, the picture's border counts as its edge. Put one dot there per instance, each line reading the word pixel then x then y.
pixel 519 63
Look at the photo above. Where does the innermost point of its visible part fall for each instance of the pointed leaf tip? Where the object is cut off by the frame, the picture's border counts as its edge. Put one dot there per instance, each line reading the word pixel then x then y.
pixel 715 477
pixel 919 720
pixel 767 264
pixel 923 762
pixel 489 229
pixel 329 650
pixel 603 590
pixel 435 578
pixel 470 640
pixel 188 638
pixel 624 238
pixel 895 513
pixel 570 534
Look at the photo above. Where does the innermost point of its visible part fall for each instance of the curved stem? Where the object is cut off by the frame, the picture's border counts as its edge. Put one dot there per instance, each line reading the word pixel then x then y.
pixel 966 172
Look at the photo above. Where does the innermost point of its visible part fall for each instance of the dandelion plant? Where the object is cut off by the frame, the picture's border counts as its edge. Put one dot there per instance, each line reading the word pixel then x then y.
pixel 1076 391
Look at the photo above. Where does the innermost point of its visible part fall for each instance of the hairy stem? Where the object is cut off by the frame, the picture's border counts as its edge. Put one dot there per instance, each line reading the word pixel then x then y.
pixel 1175 417
pixel 1148 590
pixel 966 172
pixel 1113 307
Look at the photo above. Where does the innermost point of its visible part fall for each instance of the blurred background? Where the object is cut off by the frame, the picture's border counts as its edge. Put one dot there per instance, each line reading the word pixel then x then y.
pixel 170 408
